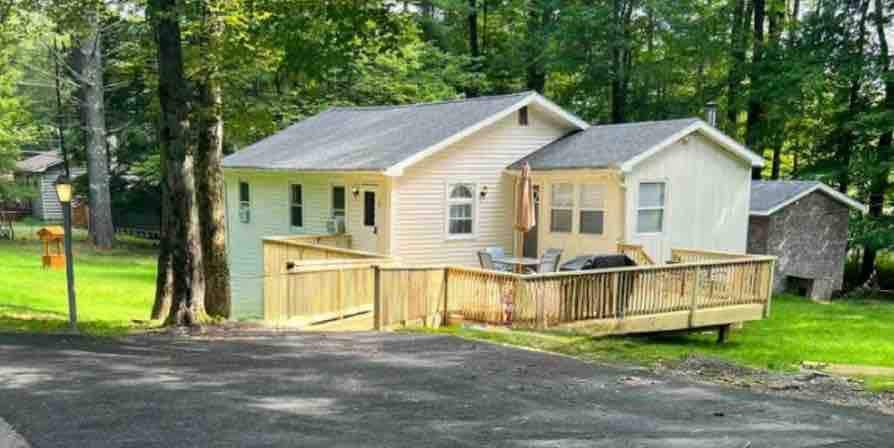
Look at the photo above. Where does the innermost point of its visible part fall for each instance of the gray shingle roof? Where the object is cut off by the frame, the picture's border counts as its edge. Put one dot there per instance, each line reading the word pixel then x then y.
pixel 367 138
pixel 603 146
pixel 38 163
pixel 767 195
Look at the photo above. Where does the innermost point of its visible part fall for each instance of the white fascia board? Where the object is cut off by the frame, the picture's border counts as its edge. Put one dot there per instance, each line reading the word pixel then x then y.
pixel 835 194
pixel 709 131
pixel 533 98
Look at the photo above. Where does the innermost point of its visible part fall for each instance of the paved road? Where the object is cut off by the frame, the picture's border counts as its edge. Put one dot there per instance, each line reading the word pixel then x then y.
pixel 358 390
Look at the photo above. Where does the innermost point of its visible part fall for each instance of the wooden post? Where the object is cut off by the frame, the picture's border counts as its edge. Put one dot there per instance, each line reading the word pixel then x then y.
pixel 541 309
pixel 693 296
pixel 772 273
pixel 723 333
pixel 378 310
pixel 339 301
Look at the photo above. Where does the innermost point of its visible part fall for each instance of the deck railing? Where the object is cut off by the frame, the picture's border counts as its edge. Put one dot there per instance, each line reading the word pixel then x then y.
pixel 636 253
pixel 620 300
pixel 693 255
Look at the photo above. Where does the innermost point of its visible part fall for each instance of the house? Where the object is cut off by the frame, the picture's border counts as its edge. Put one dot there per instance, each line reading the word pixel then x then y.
pixel 434 183
pixel 805 225
pixel 41 169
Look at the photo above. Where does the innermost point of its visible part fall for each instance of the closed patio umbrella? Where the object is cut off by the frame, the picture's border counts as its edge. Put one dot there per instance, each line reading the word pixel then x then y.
pixel 524 201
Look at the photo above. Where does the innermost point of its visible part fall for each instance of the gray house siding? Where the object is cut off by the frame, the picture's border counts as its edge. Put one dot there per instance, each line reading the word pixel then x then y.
pixel 810 238
pixel 46 206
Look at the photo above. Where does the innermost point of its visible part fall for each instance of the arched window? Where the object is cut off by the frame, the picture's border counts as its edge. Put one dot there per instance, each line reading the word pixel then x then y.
pixel 460 209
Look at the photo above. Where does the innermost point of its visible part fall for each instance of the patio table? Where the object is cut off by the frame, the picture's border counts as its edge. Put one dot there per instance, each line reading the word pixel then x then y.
pixel 518 263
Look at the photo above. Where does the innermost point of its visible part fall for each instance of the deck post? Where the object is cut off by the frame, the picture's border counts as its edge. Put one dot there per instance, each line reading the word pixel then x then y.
pixel 378 317
pixel 770 288
pixel 541 309
pixel 723 333
pixel 444 321
pixel 693 296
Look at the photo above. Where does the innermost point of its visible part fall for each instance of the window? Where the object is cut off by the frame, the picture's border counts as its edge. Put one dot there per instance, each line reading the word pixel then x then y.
pixel 461 204
pixel 244 202
pixel 650 208
pixel 369 208
pixel 592 209
pixel 562 206
pixel 338 201
pixel 523 116
pixel 296 202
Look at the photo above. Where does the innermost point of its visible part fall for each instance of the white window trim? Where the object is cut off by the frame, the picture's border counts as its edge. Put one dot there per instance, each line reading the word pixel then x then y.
pixel 292 205
pixel 581 208
pixel 553 207
pixel 243 204
pixel 663 208
pixel 448 202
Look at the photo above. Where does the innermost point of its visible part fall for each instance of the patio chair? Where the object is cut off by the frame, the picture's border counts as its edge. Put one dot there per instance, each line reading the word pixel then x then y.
pixel 486 260
pixel 549 261
pixel 495 253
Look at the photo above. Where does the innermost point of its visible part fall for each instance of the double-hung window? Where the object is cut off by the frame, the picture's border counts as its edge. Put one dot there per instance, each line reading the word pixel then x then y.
pixel 460 210
pixel 561 207
pixel 296 206
pixel 591 209
pixel 244 202
pixel 338 201
pixel 650 207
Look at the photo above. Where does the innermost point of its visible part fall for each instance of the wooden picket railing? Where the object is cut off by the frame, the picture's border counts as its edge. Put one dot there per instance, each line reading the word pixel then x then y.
pixel 694 255
pixel 613 301
pixel 636 253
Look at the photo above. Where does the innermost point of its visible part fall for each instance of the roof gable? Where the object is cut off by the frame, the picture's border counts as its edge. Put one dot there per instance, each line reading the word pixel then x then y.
pixel 768 197
pixel 382 138
pixel 623 146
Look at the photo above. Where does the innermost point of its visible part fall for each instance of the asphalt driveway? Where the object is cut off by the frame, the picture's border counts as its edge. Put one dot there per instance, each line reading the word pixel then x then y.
pixel 390 390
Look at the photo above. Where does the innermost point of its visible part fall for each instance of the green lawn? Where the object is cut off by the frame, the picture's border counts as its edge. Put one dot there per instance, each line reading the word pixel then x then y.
pixel 845 332
pixel 113 288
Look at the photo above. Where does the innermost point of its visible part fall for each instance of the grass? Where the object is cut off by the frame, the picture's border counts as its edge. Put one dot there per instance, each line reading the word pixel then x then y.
pixel 854 331
pixel 114 287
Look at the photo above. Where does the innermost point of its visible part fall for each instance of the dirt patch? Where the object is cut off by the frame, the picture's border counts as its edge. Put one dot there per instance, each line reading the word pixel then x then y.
pixel 806 384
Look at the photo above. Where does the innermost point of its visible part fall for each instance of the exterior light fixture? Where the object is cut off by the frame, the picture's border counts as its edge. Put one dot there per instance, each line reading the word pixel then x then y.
pixel 483 192
pixel 63 193
pixel 355 192
pixel 63 189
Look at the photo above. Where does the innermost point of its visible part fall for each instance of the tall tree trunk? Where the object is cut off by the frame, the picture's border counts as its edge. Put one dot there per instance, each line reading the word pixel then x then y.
pixel 164 279
pixel 737 62
pixel 622 12
pixel 102 231
pixel 60 113
pixel 538 28
pixel 846 137
pixel 879 182
pixel 474 50
pixel 754 125
pixel 209 174
pixel 188 291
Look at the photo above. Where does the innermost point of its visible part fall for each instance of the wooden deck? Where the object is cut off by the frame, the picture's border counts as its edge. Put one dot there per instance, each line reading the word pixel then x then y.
pixel 311 282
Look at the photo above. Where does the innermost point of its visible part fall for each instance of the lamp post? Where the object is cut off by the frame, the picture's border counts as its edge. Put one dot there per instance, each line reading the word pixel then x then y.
pixel 63 193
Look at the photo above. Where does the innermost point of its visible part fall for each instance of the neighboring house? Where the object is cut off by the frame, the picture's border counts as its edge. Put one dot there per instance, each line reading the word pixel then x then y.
pixel 805 225
pixel 41 171
pixel 434 183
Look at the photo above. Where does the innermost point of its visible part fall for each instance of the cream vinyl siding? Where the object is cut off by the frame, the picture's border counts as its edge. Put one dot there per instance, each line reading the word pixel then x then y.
pixel 420 203
pixel 574 244
pixel 270 208
pixel 707 193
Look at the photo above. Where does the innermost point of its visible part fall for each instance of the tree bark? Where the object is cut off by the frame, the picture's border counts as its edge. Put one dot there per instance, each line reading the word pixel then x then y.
pixel 622 11
pixel 737 61
pixel 188 289
pixel 879 181
pixel 102 230
pixel 474 50
pixel 755 123
pixel 209 174
pixel 538 24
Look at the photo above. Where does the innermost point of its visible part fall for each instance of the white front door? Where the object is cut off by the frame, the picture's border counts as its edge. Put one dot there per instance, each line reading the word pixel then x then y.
pixel 366 237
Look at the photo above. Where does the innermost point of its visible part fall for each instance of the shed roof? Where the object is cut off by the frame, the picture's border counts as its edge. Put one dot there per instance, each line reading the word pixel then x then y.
pixel 380 138
pixel 624 145
pixel 38 163
pixel 768 197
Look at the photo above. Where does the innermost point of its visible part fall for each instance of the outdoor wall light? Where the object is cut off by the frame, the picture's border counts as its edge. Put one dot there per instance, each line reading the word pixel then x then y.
pixel 355 192
pixel 483 192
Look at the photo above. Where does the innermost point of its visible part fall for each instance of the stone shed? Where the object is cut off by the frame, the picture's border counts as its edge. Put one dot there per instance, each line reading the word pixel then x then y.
pixel 804 224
